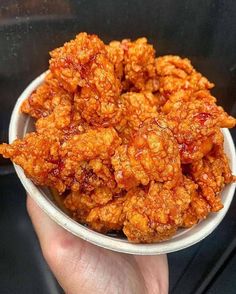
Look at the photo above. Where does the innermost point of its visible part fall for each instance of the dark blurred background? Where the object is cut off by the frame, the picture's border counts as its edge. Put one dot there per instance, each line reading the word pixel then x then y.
pixel 203 30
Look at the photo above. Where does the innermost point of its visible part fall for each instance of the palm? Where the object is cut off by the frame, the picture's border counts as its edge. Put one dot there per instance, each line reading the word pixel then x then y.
pixel 81 267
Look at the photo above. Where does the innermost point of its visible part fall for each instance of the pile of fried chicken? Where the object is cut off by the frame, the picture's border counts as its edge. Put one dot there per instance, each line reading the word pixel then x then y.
pixel 131 142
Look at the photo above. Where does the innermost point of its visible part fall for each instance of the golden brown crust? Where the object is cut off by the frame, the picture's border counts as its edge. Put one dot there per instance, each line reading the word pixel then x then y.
pixel 71 63
pixel 115 52
pixel 46 97
pixel 155 215
pixel 62 123
pixel 39 156
pixel 139 64
pixel 135 109
pixel 83 67
pixel 211 174
pixel 196 125
pixel 152 154
pixel 97 99
pixel 178 80
pixel 79 149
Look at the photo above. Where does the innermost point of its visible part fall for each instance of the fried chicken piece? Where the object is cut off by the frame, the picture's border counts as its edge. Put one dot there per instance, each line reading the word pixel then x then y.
pixel 104 171
pixel 152 154
pixel 185 96
pixel 83 67
pixel 156 215
pixel 71 63
pixel 178 80
pixel 139 64
pixel 212 173
pixel 97 100
pixel 198 210
pixel 82 179
pixel 109 217
pixel 98 143
pixel 46 97
pixel 98 209
pixel 62 123
pixel 134 64
pixel 64 166
pixel 115 52
pixel 195 125
pixel 135 108
pixel 102 195
pixel 39 156
pixel 86 177
pixel 79 204
pixel 81 201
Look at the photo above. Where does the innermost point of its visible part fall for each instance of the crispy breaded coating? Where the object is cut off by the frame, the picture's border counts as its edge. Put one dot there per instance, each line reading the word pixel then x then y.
pixel 104 171
pixel 155 215
pixel 64 164
pixel 79 204
pixel 39 157
pixel 144 216
pixel 195 125
pixel 98 196
pixel 62 123
pixel 178 80
pixel 126 141
pixel 83 67
pixel 97 209
pixel 139 64
pixel 107 218
pixel 197 210
pixel 47 96
pixel 152 154
pixel 135 109
pixel 97 99
pixel 71 63
pixel 84 177
pixel 115 52
pixel 184 96
pixel 99 143
pixel 211 174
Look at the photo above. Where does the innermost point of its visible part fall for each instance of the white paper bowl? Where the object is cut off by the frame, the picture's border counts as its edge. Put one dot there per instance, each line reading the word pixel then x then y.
pixel 21 124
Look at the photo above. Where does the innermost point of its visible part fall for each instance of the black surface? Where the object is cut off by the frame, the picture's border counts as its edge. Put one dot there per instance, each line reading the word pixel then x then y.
pixel 202 30
pixel 22 267
pixel 190 268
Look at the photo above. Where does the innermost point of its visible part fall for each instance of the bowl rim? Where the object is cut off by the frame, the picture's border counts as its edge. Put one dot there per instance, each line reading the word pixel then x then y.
pixel 99 239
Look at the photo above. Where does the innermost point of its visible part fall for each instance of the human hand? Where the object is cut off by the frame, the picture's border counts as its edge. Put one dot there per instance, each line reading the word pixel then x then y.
pixel 81 267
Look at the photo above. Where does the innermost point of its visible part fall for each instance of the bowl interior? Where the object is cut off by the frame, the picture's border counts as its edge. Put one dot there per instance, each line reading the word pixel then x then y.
pixel 22 124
